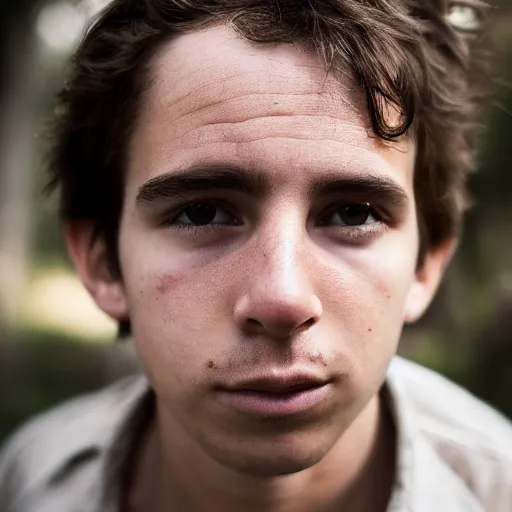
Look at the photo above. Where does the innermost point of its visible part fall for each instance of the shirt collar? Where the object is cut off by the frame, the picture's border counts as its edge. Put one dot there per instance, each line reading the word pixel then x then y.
pixel 424 481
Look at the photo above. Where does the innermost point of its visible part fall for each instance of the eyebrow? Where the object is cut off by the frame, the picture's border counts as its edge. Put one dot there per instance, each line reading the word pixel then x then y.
pixel 371 185
pixel 200 178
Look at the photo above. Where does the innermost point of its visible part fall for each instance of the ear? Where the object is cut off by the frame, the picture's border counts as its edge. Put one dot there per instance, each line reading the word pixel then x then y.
pixel 427 280
pixel 91 263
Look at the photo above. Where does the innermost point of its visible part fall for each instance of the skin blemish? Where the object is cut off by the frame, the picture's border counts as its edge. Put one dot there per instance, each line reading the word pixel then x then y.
pixel 211 364
pixel 165 283
pixel 370 329
pixel 317 358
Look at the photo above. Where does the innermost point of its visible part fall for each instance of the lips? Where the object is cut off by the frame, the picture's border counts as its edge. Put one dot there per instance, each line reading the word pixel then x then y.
pixel 281 394
pixel 279 384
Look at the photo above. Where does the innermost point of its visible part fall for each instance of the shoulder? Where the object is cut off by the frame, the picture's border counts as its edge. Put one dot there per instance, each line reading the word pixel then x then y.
pixel 44 446
pixel 472 438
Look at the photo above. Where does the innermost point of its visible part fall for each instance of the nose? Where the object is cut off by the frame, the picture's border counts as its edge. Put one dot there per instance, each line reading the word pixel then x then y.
pixel 279 300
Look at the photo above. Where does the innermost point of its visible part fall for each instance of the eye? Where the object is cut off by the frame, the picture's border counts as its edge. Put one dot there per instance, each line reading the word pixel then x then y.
pixel 202 214
pixel 351 215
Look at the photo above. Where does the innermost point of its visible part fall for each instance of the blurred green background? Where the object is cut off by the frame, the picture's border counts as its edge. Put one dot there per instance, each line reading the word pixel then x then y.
pixel 55 344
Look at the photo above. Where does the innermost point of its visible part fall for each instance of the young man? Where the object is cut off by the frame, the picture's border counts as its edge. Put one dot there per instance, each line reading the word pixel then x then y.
pixel 262 193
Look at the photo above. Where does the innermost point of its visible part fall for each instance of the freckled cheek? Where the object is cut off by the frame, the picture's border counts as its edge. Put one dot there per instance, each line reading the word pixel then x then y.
pixel 365 317
pixel 179 295
pixel 181 314
pixel 177 331
pixel 389 285
pixel 368 292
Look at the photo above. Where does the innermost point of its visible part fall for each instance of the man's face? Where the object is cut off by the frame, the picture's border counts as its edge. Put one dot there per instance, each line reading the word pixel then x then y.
pixel 268 247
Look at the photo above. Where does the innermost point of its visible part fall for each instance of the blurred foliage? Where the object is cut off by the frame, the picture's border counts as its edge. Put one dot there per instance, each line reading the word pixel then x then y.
pixel 41 369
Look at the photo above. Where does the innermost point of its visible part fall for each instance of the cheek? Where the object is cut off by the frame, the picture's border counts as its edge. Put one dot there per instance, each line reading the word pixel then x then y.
pixel 173 302
pixel 371 281
pixel 386 282
pixel 365 297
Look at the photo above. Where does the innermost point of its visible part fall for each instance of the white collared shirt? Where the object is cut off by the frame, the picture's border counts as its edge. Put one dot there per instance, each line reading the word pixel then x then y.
pixel 454 452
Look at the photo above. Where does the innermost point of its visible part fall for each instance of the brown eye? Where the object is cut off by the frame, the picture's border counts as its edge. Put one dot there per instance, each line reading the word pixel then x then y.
pixel 203 214
pixel 200 213
pixel 351 215
pixel 354 214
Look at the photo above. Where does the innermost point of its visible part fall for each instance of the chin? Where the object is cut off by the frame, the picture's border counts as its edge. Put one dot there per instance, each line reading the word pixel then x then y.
pixel 274 465
pixel 266 458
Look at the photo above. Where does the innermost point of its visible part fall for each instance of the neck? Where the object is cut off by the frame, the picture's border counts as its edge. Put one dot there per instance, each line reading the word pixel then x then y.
pixel 174 473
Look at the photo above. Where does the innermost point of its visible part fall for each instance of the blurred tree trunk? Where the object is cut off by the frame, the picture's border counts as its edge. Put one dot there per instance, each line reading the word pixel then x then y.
pixel 18 85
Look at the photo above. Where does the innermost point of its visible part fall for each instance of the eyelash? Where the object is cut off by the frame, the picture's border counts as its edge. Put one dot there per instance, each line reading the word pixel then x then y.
pixel 354 233
pixel 357 232
pixel 170 220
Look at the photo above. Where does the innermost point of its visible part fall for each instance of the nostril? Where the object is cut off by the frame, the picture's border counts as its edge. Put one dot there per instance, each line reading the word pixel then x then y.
pixel 308 323
pixel 253 322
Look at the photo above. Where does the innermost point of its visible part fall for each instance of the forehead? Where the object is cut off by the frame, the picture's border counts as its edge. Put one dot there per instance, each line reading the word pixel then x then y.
pixel 203 68
pixel 212 93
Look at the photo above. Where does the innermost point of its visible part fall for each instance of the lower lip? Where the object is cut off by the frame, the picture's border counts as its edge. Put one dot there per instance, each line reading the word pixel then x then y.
pixel 277 404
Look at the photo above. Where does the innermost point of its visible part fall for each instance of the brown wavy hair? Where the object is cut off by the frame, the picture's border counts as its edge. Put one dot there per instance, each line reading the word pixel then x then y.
pixel 415 55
